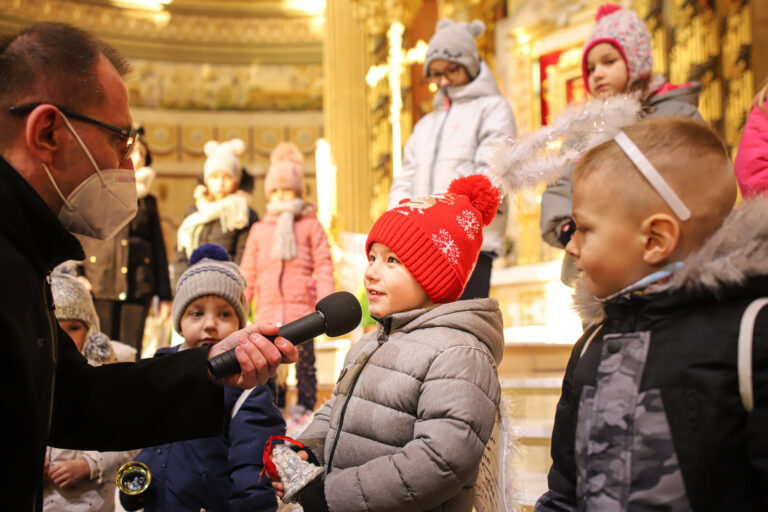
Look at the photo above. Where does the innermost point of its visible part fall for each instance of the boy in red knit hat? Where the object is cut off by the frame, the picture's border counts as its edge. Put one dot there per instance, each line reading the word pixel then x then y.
pixel 416 401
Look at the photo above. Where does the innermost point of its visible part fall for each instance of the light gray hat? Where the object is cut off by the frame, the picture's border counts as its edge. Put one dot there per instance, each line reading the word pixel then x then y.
pixel 72 300
pixel 455 42
pixel 210 272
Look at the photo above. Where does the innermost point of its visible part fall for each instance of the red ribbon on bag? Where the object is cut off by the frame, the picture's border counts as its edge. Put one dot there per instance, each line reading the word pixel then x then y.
pixel 269 466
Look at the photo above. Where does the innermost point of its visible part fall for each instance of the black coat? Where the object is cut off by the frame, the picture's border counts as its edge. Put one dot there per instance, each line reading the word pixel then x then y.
pixel 49 394
pixel 132 265
pixel 669 360
pixel 232 241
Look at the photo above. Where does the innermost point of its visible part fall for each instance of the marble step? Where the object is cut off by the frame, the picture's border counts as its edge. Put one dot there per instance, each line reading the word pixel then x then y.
pixel 532 397
pixel 534 441
pixel 532 486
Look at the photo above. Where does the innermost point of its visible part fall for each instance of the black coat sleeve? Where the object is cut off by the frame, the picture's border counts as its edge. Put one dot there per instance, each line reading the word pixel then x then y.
pixel 125 406
pixel 160 257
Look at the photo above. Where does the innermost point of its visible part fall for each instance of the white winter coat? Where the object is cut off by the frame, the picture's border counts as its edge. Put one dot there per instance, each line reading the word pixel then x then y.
pixel 458 138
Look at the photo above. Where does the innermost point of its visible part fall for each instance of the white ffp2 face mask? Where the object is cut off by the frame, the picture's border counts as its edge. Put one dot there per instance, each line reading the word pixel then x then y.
pixel 102 204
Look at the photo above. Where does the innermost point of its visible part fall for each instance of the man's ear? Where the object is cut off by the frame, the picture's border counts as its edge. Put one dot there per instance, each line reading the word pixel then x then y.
pixel 661 235
pixel 42 133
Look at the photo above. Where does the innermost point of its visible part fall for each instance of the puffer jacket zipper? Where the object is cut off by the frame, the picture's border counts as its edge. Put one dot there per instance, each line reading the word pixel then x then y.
pixel 381 339
pixel 447 110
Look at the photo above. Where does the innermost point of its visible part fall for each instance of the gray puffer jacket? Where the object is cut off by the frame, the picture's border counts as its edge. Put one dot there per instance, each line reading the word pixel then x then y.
pixel 412 411
pixel 458 138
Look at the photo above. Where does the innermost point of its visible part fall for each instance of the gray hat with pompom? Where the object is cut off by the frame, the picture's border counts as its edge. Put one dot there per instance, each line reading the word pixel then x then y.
pixel 210 272
pixel 455 42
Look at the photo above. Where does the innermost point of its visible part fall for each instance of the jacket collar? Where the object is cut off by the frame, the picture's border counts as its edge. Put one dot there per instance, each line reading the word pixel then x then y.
pixel 484 84
pixel 733 256
pixel 31 226
pixel 480 317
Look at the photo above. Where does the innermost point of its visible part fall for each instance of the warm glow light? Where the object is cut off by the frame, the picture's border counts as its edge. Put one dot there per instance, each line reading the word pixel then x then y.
pixel 310 7
pixel 141 5
pixel 326 183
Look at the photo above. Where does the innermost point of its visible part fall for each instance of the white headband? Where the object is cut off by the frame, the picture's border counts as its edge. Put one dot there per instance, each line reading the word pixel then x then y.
pixel 656 180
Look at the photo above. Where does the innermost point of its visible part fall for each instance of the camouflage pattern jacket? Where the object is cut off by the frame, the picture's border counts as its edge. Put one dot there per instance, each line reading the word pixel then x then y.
pixel 650 416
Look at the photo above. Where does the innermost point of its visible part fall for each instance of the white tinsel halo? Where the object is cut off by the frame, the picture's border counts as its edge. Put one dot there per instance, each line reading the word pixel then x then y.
pixel 540 156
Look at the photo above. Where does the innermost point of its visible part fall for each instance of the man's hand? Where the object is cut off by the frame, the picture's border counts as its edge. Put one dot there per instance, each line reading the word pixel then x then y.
pixel 258 357
pixel 69 472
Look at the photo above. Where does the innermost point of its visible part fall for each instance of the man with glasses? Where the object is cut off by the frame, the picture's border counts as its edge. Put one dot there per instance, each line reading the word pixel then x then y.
pixel 459 137
pixel 65 141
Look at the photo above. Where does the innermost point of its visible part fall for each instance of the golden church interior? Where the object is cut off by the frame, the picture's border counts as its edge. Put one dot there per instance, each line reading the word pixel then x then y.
pixel 343 81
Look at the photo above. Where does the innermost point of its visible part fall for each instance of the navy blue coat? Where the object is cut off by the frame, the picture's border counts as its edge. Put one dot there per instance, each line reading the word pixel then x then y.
pixel 215 473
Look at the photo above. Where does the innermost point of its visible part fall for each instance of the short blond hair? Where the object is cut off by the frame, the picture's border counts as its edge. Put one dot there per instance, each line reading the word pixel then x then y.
pixel 690 156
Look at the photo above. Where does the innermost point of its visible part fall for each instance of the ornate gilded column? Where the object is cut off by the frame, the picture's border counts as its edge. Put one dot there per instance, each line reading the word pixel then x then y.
pixel 345 63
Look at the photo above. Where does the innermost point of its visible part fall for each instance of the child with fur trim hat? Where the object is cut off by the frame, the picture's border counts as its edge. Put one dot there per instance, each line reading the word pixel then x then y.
pixel 214 473
pixel 616 59
pixel 460 136
pixel 287 263
pixel 82 480
pixel 664 403
pixel 416 401
pixel 221 214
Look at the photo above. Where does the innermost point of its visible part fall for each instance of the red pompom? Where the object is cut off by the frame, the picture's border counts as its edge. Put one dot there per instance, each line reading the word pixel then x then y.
pixel 605 10
pixel 481 193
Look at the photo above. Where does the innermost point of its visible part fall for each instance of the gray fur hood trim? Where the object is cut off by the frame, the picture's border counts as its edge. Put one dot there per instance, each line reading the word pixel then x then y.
pixel 479 317
pixel 737 251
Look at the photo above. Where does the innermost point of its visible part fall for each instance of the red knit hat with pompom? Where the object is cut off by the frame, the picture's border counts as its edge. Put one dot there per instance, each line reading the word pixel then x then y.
pixel 438 237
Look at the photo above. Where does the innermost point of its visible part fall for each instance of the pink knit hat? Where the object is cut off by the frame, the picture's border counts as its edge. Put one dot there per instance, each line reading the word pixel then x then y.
pixel 284 175
pixel 624 29
pixel 438 237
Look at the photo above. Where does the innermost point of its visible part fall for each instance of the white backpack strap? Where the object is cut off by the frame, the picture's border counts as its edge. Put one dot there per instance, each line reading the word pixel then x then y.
pixel 591 337
pixel 240 401
pixel 744 354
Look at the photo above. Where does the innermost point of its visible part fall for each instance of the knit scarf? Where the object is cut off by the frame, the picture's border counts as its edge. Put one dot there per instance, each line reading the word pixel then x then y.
pixel 284 240
pixel 231 211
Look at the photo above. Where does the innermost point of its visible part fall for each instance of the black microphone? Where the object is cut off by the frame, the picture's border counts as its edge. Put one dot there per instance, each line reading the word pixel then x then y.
pixel 336 314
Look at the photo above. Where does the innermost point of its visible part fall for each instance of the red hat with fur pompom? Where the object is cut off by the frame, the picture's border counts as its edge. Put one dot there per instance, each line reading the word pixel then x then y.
pixel 438 237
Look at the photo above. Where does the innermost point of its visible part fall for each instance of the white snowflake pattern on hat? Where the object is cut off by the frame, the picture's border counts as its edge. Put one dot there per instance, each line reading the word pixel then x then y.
pixel 469 223
pixel 445 242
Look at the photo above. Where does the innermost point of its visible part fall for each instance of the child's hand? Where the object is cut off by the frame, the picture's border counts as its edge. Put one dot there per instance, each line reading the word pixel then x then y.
pixel 69 472
pixel 201 193
pixel 277 485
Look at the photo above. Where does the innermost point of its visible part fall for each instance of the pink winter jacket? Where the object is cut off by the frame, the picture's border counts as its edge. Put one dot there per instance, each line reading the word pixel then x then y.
pixel 751 162
pixel 286 290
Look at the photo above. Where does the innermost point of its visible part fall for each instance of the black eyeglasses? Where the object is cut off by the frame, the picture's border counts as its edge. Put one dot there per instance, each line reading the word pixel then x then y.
pixel 129 136
pixel 451 73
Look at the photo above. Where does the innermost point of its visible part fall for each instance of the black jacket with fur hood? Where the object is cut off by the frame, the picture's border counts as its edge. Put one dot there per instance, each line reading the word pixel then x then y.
pixel 650 416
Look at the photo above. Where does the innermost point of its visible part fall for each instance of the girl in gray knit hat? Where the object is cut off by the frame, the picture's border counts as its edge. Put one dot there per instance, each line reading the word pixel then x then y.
pixel 459 137
pixel 80 480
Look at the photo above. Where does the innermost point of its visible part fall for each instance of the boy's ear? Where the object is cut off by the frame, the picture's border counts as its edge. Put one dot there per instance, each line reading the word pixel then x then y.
pixel 661 234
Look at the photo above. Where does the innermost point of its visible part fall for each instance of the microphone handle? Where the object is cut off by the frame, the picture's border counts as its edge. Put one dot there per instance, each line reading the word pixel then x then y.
pixel 297 332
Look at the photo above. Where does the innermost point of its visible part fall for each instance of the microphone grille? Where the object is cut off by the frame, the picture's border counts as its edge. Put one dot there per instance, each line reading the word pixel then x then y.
pixel 342 313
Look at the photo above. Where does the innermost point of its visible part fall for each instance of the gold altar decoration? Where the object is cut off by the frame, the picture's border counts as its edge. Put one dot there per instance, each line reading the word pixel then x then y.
pixel 397 63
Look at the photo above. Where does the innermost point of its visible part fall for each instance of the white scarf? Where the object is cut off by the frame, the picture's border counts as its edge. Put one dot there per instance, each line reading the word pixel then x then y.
pixel 232 212
pixel 284 240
